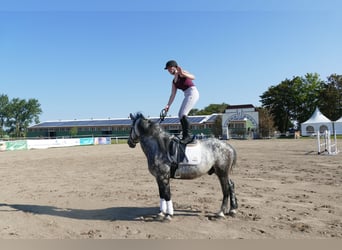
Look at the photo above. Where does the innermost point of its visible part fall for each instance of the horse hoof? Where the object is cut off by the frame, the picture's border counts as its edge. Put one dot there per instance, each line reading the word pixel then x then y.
pixel 220 215
pixel 232 212
pixel 160 216
pixel 168 217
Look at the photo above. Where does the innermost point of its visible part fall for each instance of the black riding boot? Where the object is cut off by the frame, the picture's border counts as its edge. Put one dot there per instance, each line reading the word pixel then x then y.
pixel 185 130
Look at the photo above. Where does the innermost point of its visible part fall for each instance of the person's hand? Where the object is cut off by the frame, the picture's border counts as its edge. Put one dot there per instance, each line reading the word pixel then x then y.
pixel 167 108
pixel 179 71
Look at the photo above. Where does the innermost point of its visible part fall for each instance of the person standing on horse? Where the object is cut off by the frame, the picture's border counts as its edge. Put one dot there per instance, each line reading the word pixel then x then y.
pixel 182 80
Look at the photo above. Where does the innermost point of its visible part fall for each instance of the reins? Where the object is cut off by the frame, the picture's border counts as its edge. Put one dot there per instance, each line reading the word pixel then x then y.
pixel 163 114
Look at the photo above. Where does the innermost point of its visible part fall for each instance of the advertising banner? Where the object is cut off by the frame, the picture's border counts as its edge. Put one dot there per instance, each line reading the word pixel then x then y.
pixel 16 145
pixel 87 141
pixel 52 143
pixel 102 140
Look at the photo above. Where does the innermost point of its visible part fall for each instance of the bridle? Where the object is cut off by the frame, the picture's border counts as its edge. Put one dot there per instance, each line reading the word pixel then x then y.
pixel 134 135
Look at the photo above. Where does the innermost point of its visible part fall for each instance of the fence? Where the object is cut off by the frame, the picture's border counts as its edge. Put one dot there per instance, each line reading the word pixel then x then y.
pixel 324 143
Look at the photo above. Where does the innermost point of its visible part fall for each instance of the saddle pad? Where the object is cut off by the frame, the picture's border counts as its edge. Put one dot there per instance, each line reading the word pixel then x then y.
pixel 193 154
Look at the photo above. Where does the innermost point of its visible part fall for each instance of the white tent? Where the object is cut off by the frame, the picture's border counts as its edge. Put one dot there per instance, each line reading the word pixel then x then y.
pixel 338 126
pixel 317 122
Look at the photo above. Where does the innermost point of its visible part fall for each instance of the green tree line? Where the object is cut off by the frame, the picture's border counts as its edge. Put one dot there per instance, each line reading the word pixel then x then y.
pixel 293 101
pixel 17 114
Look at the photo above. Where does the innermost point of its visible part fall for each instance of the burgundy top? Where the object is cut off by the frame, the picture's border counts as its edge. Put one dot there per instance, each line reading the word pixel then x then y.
pixel 183 83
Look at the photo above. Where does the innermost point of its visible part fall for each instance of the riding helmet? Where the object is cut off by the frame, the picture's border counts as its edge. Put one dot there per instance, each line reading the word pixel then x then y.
pixel 171 63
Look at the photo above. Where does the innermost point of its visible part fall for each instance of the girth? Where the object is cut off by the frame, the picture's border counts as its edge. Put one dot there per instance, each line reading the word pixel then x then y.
pixel 176 151
pixel 176 154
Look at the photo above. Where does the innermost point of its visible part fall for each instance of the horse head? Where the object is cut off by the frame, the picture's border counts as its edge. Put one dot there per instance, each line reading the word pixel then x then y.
pixel 139 127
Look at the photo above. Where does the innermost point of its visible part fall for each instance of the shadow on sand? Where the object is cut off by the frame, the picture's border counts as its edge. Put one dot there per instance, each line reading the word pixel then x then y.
pixel 110 214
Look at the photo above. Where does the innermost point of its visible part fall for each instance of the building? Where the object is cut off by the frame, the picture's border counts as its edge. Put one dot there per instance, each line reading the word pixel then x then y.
pixel 120 127
pixel 240 122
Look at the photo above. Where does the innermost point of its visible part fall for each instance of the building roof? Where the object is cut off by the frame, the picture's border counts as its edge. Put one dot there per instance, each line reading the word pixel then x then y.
pixel 82 123
pixel 242 106
pixel 118 122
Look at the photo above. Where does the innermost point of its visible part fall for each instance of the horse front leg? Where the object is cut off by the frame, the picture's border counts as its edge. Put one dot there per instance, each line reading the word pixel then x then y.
pixel 166 205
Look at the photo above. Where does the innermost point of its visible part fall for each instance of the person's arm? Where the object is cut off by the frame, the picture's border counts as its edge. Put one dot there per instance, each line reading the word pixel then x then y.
pixel 172 97
pixel 184 73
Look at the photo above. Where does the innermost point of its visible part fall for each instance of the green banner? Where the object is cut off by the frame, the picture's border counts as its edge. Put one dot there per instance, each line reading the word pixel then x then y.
pixel 16 145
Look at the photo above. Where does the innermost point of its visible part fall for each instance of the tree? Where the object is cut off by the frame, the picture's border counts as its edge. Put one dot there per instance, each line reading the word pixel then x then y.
pixel 3 113
pixel 193 111
pixel 277 100
pixel 210 109
pixel 293 100
pixel 266 123
pixel 73 131
pixel 20 114
pixel 217 127
pixel 331 97
pixel 307 97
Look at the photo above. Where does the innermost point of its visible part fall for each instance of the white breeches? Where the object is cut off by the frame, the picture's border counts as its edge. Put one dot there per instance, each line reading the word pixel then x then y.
pixel 191 97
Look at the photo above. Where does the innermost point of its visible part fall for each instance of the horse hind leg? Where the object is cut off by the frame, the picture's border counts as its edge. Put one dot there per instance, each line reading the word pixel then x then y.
pixel 225 192
pixel 233 199
pixel 211 171
pixel 228 191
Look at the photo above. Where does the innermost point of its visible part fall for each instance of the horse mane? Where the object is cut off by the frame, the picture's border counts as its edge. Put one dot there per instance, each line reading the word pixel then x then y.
pixel 161 135
pixel 154 130
pixel 139 115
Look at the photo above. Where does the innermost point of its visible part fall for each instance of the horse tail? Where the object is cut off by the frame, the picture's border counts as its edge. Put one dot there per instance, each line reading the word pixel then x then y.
pixel 233 161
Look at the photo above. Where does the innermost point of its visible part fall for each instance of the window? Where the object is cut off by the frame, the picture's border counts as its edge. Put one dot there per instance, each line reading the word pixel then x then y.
pixel 310 130
pixel 323 128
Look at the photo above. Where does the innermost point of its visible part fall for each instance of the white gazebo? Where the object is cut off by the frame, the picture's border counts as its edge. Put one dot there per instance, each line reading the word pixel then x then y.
pixel 317 123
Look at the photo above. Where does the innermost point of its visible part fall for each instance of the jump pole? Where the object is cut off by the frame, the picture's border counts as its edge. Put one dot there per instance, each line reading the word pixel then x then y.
pixel 330 146
pixel 326 144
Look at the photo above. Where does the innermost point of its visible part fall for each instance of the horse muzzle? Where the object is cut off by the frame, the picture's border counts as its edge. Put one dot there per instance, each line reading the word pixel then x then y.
pixel 131 143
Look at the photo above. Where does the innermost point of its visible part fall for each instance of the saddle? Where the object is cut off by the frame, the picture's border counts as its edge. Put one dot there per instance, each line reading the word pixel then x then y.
pixel 181 154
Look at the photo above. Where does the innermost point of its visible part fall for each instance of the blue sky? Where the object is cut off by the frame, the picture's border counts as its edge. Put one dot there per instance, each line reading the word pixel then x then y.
pixel 99 59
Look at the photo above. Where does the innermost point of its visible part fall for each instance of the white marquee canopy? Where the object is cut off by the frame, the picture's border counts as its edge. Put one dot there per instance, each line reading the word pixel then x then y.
pixel 317 122
pixel 338 126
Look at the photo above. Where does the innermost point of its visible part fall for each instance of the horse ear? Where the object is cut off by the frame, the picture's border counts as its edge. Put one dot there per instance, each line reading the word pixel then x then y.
pixel 131 116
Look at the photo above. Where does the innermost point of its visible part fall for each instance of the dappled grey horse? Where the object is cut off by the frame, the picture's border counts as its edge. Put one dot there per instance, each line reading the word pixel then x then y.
pixel 165 161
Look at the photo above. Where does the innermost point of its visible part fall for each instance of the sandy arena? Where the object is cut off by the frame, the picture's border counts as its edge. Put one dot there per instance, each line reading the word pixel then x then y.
pixel 284 190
